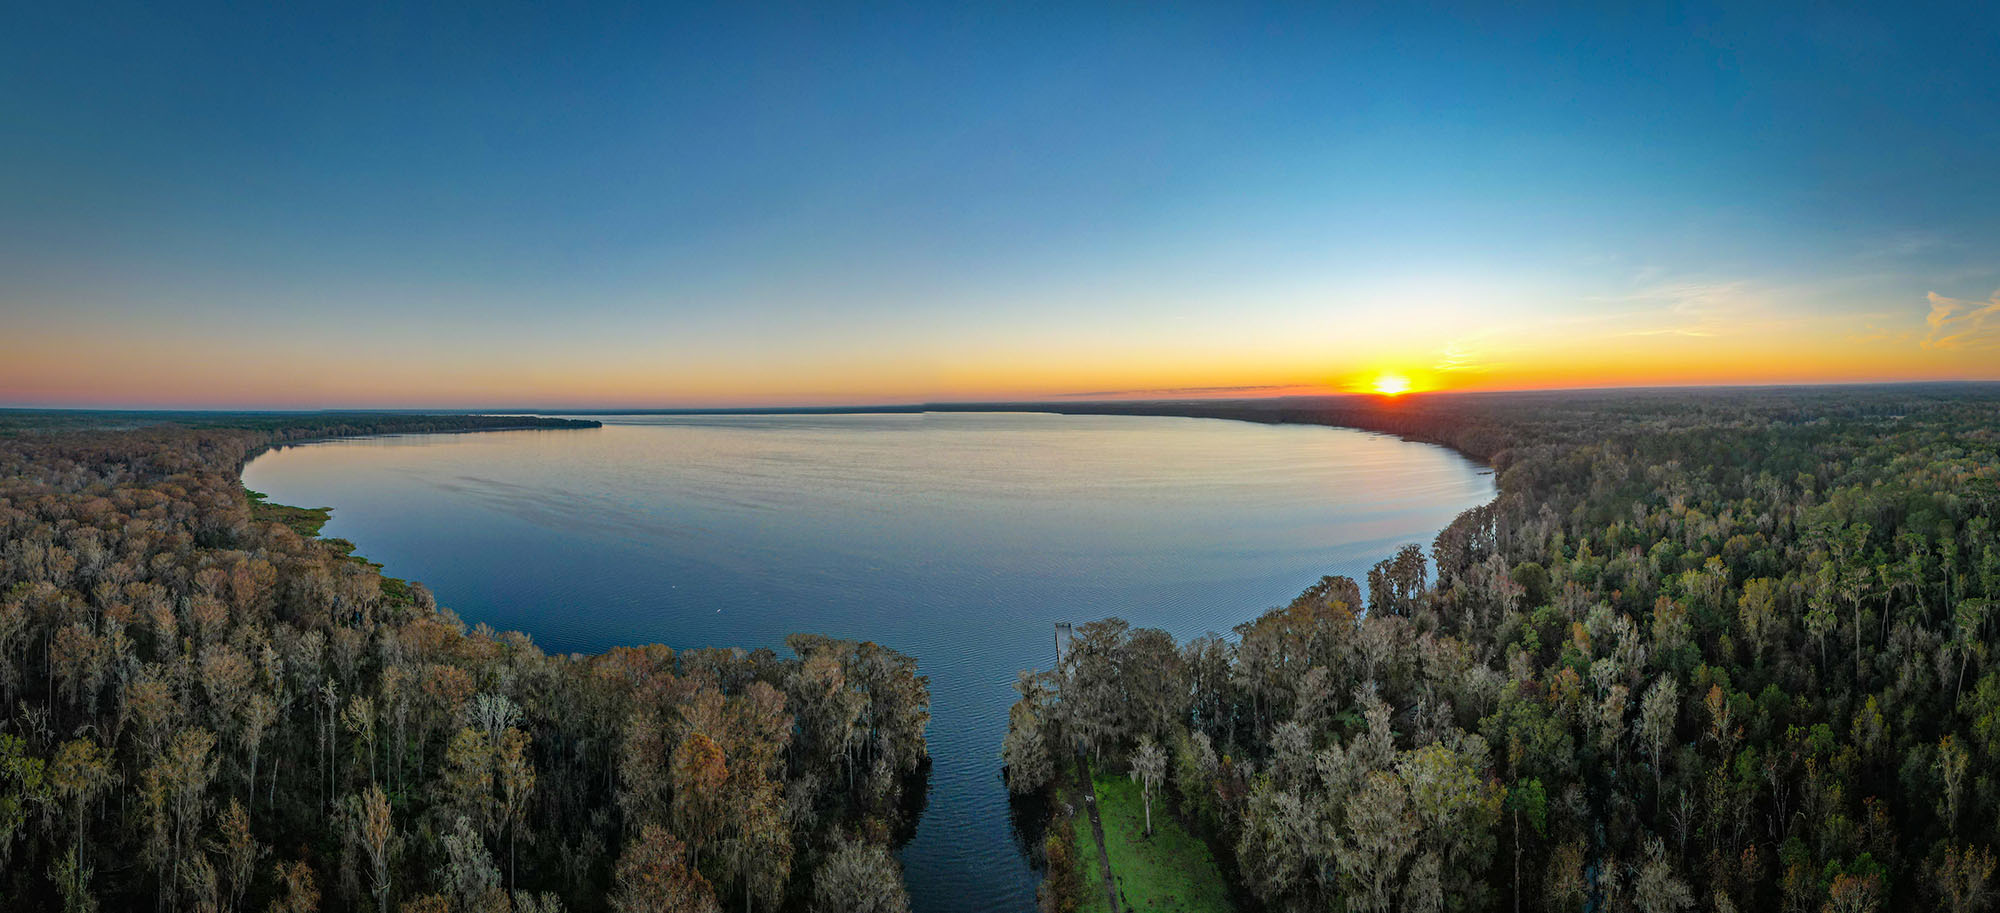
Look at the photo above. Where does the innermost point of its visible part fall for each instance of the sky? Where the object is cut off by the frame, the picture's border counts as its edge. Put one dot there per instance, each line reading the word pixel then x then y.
pixel 493 204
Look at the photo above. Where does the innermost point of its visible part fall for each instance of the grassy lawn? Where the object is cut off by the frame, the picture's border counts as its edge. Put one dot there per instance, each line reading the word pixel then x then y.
pixel 1169 871
pixel 1087 858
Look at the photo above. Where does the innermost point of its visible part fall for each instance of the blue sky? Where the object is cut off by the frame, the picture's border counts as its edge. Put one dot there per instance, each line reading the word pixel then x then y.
pixel 491 203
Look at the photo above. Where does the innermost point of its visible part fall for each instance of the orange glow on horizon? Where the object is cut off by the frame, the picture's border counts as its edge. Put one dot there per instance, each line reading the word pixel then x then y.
pixel 79 365
pixel 1392 385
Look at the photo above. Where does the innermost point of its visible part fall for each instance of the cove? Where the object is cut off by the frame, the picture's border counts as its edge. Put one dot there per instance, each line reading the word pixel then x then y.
pixel 957 538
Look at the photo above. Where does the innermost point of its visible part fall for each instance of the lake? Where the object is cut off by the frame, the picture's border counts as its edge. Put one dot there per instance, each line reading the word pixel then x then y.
pixel 957 538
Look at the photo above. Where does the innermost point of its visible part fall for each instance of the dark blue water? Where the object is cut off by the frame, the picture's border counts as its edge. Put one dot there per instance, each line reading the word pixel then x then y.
pixel 956 538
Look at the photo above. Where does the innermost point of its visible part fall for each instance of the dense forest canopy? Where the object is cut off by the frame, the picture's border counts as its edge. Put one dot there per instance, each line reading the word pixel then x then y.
pixel 203 707
pixel 1708 650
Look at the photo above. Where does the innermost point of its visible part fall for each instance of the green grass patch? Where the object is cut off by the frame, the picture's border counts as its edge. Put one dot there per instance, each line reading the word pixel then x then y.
pixel 306 521
pixel 1087 858
pixel 1170 871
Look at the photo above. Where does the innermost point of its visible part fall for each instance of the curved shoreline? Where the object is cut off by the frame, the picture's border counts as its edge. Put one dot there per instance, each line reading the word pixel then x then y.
pixel 936 863
pixel 268 446
pixel 1442 420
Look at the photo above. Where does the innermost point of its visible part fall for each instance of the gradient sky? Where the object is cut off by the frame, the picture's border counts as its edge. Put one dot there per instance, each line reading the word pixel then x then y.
pixel 492 204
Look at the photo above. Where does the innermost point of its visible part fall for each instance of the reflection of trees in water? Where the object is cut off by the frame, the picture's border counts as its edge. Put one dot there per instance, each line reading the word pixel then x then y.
pixel 915 797
pixel 1030 817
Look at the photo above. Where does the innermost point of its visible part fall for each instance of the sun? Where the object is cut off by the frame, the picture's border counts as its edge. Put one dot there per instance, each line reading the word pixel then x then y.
pixel 1392 384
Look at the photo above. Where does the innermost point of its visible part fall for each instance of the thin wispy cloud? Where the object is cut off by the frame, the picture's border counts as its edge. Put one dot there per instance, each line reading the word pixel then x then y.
pixel 1906 245
pixel 1876 333
pixel 1459 357
pixel 1956 323
pixel 1698 309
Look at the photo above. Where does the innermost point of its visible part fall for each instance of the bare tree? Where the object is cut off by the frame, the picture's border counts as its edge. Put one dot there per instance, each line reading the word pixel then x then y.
pixel 1149 769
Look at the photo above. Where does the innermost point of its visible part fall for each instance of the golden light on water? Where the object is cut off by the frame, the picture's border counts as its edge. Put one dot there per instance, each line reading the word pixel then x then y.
pixel 1392 384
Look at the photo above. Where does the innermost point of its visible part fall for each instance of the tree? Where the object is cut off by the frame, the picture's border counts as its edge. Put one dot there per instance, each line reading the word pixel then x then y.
pixel 1952 764
pixel 1195 765
pixel 827 710
pixel 1149 770
pixel 176 799
pixel 1156 687
pixel 1025 750
pixel 1381 831
pixel 79 772
pixel 1062 889
pixel 1423 888
pixel 1093 693
pixel 1659 713
pixel 1655 888
pixel 225 676
pixel 374 833
pixel 859 878
pixel 468 874
pixel 644 782
pixel 1964 879
pixel 516 774
pixel 297 892
pixel 1565 885
pixel 468 779
pixel 757 846
pixel 698 776
pixel 259 713
pixel 1757 614
pixel 1853 894
pixel 359 719
pixel 240 852
pixel 1282 846
pixel 1456 807
pixel 653 876
pixel 1970 620
pixel 264 684
pixel 70 876
pixel 1526 799
pixel 1820 621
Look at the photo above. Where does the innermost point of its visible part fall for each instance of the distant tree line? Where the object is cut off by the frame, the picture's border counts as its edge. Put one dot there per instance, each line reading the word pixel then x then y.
pixel 202 709
pixel 1723 651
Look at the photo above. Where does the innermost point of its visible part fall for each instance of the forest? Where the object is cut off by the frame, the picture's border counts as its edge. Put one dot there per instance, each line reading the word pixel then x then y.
pixel 1721 650
pixel 205 707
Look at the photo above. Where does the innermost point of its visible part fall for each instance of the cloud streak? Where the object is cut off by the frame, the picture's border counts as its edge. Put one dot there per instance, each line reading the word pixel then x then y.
pixel 1692 308
pixel 1956 323
pixel 1459 357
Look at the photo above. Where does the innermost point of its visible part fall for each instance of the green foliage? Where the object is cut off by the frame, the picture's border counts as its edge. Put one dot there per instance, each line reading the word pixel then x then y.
pixel 192 683
pixel 1729 649
pixel 1528 799
pixel 306 521
pixel 1170 870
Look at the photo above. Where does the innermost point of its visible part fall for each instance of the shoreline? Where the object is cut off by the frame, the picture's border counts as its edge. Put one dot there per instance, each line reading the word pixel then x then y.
pixel 958 760
pixel 1418 418
pixel 269 446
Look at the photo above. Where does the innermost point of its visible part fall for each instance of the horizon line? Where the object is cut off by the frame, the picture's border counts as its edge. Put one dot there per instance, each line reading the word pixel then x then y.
pixel 1065 399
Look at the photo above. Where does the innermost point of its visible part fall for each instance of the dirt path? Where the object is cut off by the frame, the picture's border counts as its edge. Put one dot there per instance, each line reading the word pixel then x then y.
pixel 1097 827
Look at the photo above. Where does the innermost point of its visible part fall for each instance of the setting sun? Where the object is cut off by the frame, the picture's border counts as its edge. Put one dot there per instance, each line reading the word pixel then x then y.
pixel 1392 385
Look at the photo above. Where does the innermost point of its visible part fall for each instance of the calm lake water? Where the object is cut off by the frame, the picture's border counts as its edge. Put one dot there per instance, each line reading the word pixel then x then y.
pixel 956 538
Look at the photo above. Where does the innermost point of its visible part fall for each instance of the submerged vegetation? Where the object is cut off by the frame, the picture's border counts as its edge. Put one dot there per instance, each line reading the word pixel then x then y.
pixel 205 708
pixel 1708 650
